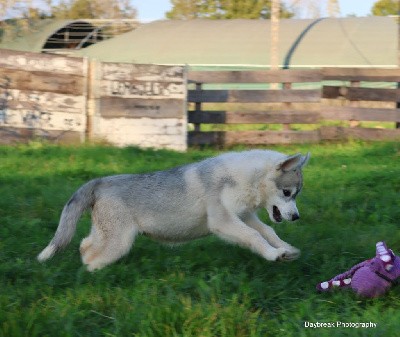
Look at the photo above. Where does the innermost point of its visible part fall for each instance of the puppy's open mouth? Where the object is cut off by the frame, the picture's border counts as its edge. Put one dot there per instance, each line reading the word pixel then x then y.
pixel 276 214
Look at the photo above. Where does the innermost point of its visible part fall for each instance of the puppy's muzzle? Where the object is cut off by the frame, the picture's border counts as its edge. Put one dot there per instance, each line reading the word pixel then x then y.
pixel 276 213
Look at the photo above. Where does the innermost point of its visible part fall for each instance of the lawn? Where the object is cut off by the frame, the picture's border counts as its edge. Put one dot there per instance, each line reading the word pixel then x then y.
pixel 350 200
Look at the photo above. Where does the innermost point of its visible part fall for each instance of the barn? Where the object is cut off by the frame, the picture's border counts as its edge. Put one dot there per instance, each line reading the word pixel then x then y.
pixel 312 43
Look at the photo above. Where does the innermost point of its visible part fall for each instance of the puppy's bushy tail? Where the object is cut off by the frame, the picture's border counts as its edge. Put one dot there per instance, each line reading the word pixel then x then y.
pixel 81 200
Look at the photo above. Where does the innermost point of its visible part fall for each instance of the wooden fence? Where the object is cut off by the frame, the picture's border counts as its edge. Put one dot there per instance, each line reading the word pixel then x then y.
pixel 362 103
pixel 73 99
pixel 328 104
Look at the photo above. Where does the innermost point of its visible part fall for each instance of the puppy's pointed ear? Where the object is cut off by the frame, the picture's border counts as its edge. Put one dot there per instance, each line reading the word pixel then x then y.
pixel 305 158
pixel 294 162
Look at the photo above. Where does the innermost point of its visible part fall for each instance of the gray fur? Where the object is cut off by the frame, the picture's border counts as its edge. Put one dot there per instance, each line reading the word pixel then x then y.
pixel 218 196
pixel 81 200
pixel 289 180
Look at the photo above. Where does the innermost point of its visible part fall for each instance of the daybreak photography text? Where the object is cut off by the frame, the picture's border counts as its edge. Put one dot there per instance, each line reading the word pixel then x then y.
pixel 340 324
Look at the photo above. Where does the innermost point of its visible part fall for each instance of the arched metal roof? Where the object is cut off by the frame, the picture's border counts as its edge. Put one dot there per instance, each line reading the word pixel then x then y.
pixel 35 40
pixel 364 42
pixel 60 35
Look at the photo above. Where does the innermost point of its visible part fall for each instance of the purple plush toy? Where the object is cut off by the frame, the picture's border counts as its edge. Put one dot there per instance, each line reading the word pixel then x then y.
pixel 370 278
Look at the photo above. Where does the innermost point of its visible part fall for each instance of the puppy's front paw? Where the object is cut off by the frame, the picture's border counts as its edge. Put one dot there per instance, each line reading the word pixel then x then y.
pixel 288 253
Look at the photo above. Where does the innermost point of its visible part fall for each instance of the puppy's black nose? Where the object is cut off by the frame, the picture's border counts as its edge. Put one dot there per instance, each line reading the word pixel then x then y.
pixel 295 217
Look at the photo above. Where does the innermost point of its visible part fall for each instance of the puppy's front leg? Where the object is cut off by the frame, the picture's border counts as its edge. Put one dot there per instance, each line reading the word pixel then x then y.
pixel 269 234
pixel 229 227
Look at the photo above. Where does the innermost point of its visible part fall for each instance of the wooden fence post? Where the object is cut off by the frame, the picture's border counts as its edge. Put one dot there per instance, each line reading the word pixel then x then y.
pixel 354 123
pixel 287 105
pixel 198 107
pixel 85 95
pixel 93 96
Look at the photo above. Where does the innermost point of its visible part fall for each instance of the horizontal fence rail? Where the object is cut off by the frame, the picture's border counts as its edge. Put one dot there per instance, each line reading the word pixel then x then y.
pixel 362 94
pixel 266 76
pixel 361 74
pixel 292 104
pixel 253 96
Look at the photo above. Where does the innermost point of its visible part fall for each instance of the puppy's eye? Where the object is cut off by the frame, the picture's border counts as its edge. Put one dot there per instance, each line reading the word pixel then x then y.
pixel 286 193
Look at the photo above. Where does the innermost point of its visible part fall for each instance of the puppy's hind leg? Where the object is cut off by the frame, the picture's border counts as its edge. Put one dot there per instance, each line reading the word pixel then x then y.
pixel 111 238
pixel 101 250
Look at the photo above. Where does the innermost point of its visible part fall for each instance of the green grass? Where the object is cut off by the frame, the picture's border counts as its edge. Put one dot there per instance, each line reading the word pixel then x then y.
pixel 206 287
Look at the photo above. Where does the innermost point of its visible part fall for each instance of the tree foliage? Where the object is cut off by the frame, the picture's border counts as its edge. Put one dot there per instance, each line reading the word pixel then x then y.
pixel 223 9
pixel 93 9
pixel 19 8
pixel 69 9
pixel 385 7
pixel 17 17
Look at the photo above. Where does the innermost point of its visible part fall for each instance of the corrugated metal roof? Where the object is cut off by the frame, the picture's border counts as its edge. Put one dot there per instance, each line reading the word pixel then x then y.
pixel 37 38
pixel 62 36
pixel 369 41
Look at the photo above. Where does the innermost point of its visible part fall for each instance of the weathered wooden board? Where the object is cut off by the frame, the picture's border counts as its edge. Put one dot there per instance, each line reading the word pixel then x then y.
pixel 373 94
pixel 206 138
pixel 11 59
pixel 142 105
pixel 333 92
pixel 142 72
pixel 115 107
pixel 362 74
pixel 229 138
pixel 10 135
pixel 362 94
pixel 271 137
pixel 255 117
pixel 360 114
pixel 270 76
pixel 150 89
pixel 41 101
pixel 254 96
pixel 42 120
pixel 41 81
pixel 136 91
pixel 42 96
pixel 294 116
pixel 145 132
pixel 341 133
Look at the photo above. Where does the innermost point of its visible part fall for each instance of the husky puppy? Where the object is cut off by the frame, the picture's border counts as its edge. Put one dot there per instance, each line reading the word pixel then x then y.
pixel 219 195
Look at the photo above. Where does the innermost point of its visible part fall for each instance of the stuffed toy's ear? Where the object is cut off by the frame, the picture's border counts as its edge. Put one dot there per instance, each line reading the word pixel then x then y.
pixel 292 163
pixel 385 255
